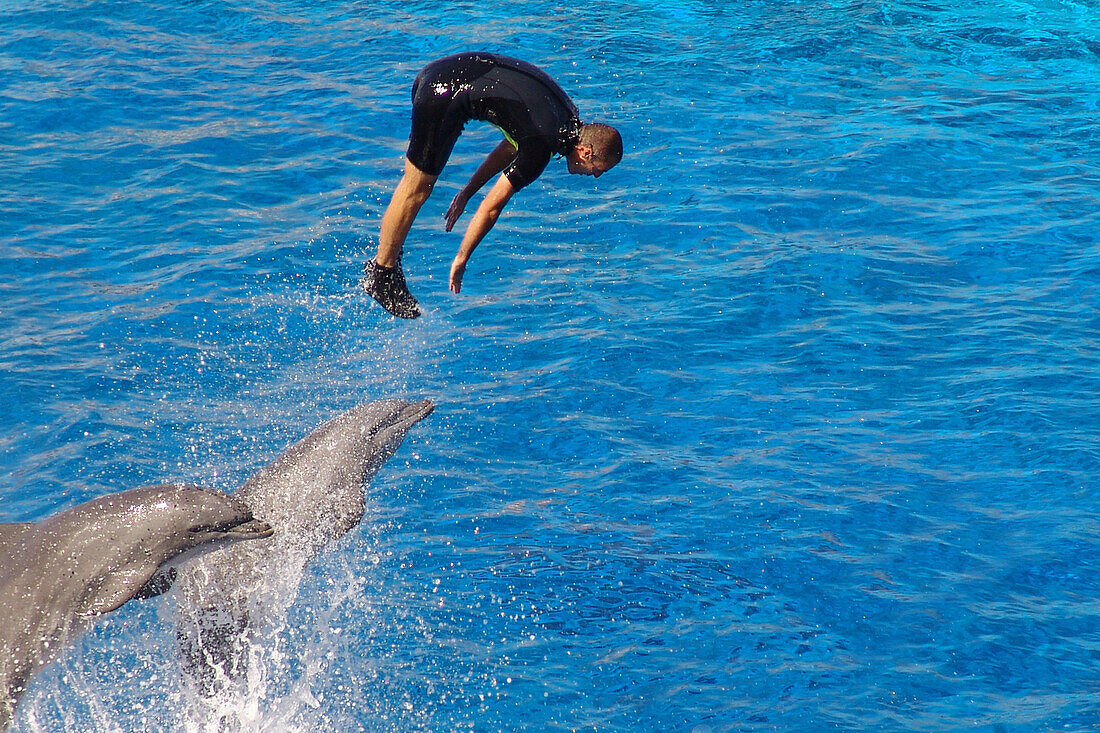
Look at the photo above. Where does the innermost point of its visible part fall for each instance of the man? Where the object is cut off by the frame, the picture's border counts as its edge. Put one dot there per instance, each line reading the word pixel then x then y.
pixel 538 121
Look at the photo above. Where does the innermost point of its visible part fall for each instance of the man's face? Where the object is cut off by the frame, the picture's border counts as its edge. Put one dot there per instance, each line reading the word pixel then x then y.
pixel 582 161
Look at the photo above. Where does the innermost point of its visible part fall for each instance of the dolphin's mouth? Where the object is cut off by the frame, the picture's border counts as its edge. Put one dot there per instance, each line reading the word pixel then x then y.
pixel 417 411
pixel 253 529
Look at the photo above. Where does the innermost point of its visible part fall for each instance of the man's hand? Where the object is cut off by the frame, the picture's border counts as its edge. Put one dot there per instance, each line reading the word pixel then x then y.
pixel 482 221
pixel 458 267
pixel 458 205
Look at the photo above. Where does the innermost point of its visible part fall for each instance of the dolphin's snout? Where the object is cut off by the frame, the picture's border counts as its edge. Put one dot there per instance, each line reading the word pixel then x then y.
pixel 417 411
pixel 253 529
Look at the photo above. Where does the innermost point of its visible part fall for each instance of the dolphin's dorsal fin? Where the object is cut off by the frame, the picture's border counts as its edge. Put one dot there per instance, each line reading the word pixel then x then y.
pixel 119 587
pixel 12 535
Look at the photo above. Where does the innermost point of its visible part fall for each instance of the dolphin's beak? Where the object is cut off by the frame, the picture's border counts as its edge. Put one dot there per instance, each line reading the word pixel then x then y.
pixel 253 529
pixel 417 411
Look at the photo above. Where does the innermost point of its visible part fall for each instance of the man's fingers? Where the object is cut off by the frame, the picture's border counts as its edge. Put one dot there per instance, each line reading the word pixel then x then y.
pixel 454 211
pixel 456 277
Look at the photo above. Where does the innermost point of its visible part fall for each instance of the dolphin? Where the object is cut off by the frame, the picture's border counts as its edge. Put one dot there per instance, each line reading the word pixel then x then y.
pixel 312 494
pixel 58 574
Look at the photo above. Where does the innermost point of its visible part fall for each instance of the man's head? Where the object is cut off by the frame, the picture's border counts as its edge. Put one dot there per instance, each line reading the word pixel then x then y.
pixel 599 148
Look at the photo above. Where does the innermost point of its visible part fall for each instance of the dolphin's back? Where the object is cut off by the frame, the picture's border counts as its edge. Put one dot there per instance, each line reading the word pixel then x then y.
pixel 12 536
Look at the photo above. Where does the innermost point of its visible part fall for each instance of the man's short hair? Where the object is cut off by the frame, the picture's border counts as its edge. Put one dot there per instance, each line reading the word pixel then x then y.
pixel 605 141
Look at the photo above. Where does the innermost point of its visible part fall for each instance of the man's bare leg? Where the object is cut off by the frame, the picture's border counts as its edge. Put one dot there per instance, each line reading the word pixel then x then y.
pixel 384 281
pixel 412 191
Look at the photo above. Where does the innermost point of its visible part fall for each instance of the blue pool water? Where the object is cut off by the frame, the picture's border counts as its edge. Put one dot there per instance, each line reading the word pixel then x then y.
pixel 787 423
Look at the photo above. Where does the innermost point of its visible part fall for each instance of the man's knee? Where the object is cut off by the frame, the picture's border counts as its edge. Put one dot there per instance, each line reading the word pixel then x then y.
pixel 416 183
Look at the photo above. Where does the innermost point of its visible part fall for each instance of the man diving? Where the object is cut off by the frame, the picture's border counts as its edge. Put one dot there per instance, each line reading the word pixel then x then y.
pixel 538 121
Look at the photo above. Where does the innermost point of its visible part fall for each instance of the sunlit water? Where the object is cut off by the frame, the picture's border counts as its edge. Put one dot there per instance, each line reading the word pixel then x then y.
pixel 786 423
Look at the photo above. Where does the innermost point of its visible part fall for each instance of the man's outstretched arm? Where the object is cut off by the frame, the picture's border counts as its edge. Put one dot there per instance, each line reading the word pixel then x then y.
pixel 484 219
pixel 493 164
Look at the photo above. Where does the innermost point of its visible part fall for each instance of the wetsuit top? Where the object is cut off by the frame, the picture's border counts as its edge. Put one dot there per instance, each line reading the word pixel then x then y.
pixel 523 101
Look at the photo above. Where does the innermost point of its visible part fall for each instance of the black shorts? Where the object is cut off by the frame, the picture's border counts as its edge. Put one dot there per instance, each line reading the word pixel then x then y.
pixel 438 117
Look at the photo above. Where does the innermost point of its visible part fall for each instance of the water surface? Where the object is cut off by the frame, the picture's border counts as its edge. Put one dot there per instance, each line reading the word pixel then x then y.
pixel 786 423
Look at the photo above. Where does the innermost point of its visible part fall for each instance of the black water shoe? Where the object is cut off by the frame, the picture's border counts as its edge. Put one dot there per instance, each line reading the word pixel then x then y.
pixel 387 286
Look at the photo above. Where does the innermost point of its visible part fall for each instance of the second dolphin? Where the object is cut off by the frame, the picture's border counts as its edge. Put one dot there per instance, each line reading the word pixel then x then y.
pixel 312 494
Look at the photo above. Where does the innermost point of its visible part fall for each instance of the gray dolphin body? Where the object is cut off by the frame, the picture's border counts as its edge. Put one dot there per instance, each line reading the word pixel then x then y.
pixel 58 574
pixel 312 494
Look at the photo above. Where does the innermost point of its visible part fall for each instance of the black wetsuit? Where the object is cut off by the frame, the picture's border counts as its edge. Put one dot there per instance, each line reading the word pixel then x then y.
pixel 527 105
